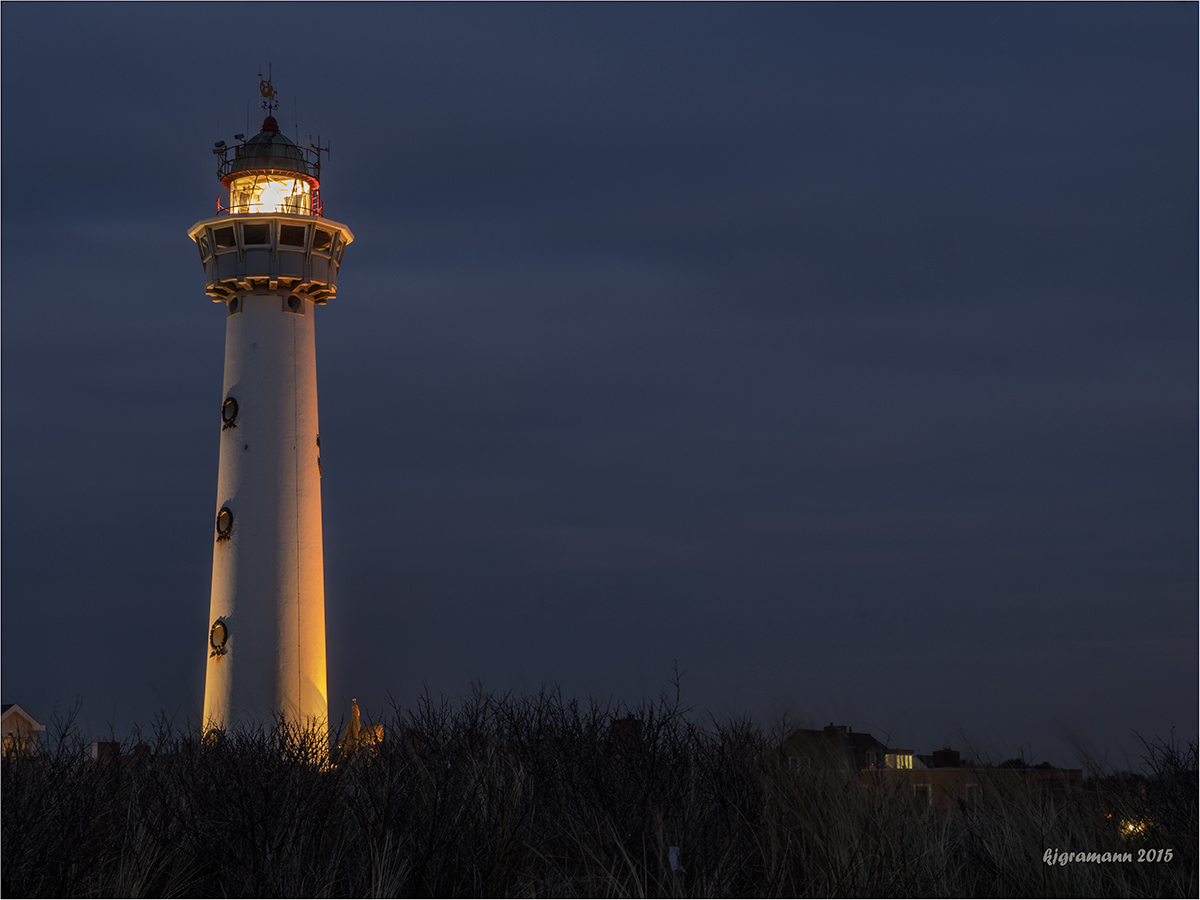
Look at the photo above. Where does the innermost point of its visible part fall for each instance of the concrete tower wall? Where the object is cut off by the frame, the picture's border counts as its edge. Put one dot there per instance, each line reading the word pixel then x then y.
pixel 268 575
pixel 266 639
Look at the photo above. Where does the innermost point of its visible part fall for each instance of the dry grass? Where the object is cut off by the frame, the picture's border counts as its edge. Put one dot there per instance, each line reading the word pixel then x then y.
pixel 543 797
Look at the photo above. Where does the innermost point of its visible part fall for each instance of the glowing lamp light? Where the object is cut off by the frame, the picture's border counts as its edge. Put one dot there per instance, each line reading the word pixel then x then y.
pixel 270 194
pixel 1132 828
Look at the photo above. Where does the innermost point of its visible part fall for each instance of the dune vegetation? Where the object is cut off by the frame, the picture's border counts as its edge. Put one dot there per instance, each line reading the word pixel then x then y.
pixel 541 796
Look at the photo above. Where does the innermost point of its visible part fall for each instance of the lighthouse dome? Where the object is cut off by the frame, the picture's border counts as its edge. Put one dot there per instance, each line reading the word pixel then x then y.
pixel 268 152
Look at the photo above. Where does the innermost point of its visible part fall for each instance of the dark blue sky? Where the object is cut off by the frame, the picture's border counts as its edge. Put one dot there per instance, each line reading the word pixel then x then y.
pixel 846 354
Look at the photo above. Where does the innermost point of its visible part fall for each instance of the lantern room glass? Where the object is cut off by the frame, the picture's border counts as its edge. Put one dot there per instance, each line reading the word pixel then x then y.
pixel 270 194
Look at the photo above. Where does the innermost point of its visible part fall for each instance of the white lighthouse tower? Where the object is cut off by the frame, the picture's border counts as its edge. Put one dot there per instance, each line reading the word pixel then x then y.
pixel 271 257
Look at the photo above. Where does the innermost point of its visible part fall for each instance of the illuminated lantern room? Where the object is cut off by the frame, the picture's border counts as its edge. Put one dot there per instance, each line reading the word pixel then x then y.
pixel 270 174
pixel 270 230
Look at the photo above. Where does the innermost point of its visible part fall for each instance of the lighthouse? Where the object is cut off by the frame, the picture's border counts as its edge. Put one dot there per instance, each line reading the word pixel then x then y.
pixel 271 258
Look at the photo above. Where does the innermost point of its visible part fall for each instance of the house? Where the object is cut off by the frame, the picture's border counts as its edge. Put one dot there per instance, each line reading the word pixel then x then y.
pixel 942 788
pixel 839 747
pixel 944 758
pixel 939 781
pixel 19 730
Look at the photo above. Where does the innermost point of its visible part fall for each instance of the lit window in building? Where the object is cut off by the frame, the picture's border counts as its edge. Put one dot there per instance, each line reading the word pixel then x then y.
pixel 899 760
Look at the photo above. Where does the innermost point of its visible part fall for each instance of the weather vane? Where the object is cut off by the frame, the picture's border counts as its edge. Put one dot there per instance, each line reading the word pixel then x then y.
pixel 269 103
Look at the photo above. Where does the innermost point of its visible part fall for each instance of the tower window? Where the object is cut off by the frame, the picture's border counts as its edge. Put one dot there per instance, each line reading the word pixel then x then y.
pixel 218 637
pixel 224 523
pixel 257 234
pixel 224 237
pixel 322 240
pixel 229 413
pixel 291 235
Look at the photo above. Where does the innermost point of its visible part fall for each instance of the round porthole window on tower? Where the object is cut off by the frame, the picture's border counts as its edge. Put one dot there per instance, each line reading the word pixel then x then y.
pixel 294 304
pixel 224 523
pixel 218 637
pixel 229 413
pixel 235 306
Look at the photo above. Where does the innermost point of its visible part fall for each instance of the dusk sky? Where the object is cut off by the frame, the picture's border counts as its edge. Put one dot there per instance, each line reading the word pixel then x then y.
pixel 845 354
